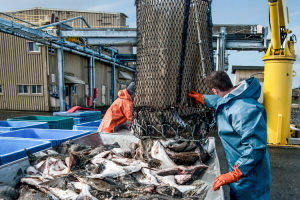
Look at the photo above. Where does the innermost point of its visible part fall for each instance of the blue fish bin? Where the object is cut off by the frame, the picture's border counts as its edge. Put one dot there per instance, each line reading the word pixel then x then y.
pixel 80 116
pixel 89 126
pixel 12 149
pixel 16 125
pixel 54 136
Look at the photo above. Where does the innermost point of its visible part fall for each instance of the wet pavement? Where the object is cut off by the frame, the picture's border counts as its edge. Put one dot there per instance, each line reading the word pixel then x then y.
pixel 285 163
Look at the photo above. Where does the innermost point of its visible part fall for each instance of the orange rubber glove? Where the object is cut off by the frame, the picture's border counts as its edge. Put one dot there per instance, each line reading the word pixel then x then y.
pixel 198 97
pixel 228 178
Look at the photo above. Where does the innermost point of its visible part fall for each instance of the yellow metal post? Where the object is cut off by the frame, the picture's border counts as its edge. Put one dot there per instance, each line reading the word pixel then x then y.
pixel 278 96
pixel 278 76
pixel 274 15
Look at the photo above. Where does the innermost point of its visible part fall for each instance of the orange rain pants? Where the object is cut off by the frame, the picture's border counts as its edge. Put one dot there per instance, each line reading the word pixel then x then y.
pixel 118 113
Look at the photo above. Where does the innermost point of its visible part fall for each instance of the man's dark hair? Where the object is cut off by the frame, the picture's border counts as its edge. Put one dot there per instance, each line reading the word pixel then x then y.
pixel 218 80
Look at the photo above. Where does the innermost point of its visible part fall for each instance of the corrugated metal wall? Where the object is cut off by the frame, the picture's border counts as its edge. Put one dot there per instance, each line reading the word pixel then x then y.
pixel 103 77
pixel 18 66
pixel 76 65
pixel 94 18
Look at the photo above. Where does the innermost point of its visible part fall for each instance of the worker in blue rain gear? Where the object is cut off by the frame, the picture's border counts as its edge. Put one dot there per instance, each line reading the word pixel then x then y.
pixel 242 128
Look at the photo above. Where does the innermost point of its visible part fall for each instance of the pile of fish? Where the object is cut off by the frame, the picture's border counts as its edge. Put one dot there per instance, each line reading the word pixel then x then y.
pixel 152 169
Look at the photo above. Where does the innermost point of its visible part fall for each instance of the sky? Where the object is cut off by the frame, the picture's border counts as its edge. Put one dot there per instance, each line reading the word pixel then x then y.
pixel 223 12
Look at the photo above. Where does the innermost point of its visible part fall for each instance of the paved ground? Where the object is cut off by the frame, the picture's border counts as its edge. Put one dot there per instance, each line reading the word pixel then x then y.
pixel 285 167
pixel 4 115
pixel 285 163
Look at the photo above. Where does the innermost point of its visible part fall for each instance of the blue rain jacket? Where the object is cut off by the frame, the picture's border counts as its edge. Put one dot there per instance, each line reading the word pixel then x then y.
pixel 242 127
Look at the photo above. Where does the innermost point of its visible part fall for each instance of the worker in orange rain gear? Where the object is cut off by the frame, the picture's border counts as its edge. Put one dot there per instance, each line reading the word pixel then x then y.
pixel 120 111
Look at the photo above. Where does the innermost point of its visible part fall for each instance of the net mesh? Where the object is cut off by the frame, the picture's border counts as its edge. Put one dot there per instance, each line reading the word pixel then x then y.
pixel 169 67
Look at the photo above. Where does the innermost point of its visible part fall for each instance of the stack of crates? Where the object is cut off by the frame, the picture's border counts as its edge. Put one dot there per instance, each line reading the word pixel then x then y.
pixel 53 122
pixel 6 126
pixel 35 133
pixel 89 126
pixel 80 117
pixel 56 137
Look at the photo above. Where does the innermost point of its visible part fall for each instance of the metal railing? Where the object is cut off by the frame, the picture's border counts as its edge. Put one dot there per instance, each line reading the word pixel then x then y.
pixel 84 26
pixel 27 20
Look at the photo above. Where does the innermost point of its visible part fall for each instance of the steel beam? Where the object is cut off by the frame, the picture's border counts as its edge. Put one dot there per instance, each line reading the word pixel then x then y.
pixel 112 41
pixel 239 45
pixel 17 19
pixel 244 45
pixel 102 32
pixel 126 57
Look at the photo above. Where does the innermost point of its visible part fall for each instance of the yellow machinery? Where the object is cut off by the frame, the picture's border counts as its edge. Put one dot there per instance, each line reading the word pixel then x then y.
pixel 279 60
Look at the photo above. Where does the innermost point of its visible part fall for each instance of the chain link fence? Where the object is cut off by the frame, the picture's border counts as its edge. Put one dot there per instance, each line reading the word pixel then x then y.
pixel 169 66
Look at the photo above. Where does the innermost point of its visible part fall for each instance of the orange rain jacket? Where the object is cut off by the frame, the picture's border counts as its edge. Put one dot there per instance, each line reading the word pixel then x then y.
pixel 118 113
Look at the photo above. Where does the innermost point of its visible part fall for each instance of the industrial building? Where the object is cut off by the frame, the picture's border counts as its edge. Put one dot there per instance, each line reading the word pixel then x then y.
pixel 29 78
pixel 244 72
pixel 96 19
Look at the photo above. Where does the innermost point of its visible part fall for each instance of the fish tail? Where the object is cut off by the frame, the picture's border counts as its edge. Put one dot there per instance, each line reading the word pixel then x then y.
pixel 30 155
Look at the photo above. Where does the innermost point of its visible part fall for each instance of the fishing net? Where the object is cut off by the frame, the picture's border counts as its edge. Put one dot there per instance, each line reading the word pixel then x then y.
pixel 169 66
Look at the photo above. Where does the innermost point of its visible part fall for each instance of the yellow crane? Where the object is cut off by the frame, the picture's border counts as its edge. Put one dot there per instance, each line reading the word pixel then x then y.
pixel 279 60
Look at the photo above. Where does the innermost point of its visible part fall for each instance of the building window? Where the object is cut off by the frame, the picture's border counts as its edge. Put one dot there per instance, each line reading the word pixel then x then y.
pixel 74 90
pixel 36 89
pixel 33 47
pixel 103 94
pixel 23 89
pixel 1 89
pixel 51 50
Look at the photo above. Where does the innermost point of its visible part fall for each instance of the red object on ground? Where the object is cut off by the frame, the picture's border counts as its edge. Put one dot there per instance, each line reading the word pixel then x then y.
pixel 75 108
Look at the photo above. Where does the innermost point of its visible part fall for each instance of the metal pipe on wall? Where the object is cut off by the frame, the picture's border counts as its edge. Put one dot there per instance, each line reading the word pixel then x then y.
pixel 94 82
pixel 60 64
pixel 47 54
pixel 91 77
pixel 218 54
pixel 70 96
pixel 113 78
